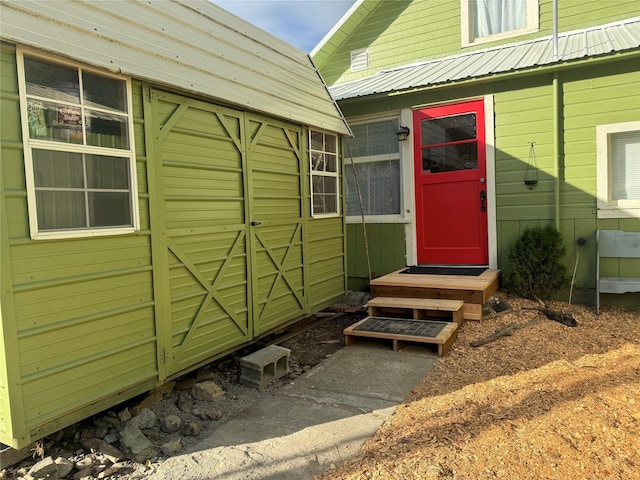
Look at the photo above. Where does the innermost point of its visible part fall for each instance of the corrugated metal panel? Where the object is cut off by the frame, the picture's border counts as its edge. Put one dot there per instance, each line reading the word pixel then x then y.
pixel 610 38
pixel 193 45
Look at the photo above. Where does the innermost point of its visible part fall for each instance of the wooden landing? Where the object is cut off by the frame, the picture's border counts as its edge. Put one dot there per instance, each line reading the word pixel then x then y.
pixel 444 339
pixel 474 291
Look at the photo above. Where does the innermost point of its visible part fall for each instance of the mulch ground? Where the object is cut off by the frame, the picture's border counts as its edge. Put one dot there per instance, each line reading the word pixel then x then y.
pixel 546 402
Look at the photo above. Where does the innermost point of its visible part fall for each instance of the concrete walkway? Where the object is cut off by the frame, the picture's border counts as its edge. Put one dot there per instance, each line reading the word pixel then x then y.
pixel 322 418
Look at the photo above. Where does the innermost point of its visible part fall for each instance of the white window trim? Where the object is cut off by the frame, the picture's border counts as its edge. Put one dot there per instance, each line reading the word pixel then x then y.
pixel 356 54
pixel 466 26
pixel 607 208
pixel 398 218
pixel 29 145
pixel 314 173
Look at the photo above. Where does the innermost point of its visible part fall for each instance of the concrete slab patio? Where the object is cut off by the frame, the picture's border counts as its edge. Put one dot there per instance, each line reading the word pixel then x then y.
pixel 322 418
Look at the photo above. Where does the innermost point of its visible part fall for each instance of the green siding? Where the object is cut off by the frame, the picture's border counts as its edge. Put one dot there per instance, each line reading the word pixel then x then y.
pixel 90 322
pixel 386 251
pixel 12 428
pixel 327 261
pixel 523 113
pixel 401 32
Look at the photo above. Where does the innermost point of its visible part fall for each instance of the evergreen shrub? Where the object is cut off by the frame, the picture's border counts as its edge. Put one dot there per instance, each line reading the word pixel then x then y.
pixel 535 271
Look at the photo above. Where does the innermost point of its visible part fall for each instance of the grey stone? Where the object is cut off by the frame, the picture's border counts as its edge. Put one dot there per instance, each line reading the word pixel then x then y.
pixel 171 447
pixel 206 391
pixel 146 419
pixel 86 462
pixel 81 474
pixel 64 466
pixel 135 443
pixel 124 415
pixel 185 402
pixel 192 428
pixel 99 445
pixel 171 423
pixel 45 468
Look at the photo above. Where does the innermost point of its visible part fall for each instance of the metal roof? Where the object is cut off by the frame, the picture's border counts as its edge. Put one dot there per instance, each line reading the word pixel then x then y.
pixel 192 45
pixel 574 45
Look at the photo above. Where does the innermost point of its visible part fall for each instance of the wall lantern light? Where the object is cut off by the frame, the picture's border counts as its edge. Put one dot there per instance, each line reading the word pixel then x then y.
pixel 403 133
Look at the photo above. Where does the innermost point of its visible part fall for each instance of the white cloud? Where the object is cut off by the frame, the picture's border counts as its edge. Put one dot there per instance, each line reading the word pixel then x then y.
pixel 302 23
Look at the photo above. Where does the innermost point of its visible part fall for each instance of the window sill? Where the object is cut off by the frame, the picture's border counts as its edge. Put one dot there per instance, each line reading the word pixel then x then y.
pixel 68 234
pixel 498 37
pixel 613 212
pixel 378 219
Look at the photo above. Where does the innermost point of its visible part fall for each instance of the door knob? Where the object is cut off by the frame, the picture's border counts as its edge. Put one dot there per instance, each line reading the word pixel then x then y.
pixel 483 198
pixel 255 224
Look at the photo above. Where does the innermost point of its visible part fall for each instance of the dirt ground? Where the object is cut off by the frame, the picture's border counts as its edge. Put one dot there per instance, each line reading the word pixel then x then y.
pixel 547 402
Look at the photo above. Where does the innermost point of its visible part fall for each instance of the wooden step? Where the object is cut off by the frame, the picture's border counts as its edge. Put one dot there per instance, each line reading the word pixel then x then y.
pixel 474 291
pixel 414 332
pixel 420 308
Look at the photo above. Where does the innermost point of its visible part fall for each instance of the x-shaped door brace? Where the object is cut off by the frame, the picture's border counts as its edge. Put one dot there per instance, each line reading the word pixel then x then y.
pixel 211 288
pixel 282 273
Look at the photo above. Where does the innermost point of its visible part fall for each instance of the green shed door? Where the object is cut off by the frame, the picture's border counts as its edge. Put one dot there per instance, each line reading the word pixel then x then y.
pixel 277 221
pixel 199 235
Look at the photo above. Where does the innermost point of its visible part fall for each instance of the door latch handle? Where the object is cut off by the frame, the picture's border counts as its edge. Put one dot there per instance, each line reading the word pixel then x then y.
pixel 483 198
pixel 255 224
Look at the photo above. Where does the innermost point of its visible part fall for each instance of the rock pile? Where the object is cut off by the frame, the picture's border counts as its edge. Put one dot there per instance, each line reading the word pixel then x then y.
pixel 127 442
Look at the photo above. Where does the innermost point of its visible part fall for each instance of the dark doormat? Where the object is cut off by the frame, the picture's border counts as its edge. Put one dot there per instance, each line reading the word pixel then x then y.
pixel 424 270
pixel 401 326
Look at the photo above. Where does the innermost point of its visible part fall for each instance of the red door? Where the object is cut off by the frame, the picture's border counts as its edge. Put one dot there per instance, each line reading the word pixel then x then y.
pixel 450 179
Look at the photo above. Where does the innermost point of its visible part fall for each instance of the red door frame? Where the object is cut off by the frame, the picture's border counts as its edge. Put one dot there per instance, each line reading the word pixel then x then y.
pixel 451 217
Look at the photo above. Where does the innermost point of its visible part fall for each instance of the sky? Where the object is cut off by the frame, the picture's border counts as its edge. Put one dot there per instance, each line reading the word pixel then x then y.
pixel 302 23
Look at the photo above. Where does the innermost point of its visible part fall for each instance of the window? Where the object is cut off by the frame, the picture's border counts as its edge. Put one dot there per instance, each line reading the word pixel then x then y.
pixel 618 153
pixel 359 60
pixel 78 150
pixel 488 20
pixel 324 173
pixel 375 151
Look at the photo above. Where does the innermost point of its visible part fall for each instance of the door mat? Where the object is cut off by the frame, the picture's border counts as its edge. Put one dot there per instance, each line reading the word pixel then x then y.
pixel 423 270
pixel 401 326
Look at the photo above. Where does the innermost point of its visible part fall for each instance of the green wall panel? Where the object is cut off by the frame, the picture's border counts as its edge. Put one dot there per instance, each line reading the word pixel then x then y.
pixel 386 251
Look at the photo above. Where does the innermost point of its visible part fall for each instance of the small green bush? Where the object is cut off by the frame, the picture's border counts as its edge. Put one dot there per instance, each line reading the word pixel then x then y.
pixel 535 270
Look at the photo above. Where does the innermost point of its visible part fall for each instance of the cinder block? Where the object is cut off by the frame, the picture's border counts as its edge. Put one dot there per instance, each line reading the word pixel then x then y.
pixel 264 366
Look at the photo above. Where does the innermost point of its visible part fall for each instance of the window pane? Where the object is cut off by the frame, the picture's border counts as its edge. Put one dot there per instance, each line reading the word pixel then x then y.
pixel 317 142
pixel 497 16
pixel 377 138
pixel 379 186
pixel 449 129
pixel 60 210
pixel 331 164
pixel 52 81
pixel 325 196
pixel 317 161
pixel 450 158
pixel 57 169
pixel 53 121
pixel 108 209
pixel 105 130
pixel 330 143
pixel 104 92
pixel 625 166
pixel 107 172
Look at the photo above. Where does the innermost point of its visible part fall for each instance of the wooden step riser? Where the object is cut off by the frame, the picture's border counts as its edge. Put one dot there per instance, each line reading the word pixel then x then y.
pixel 467 296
